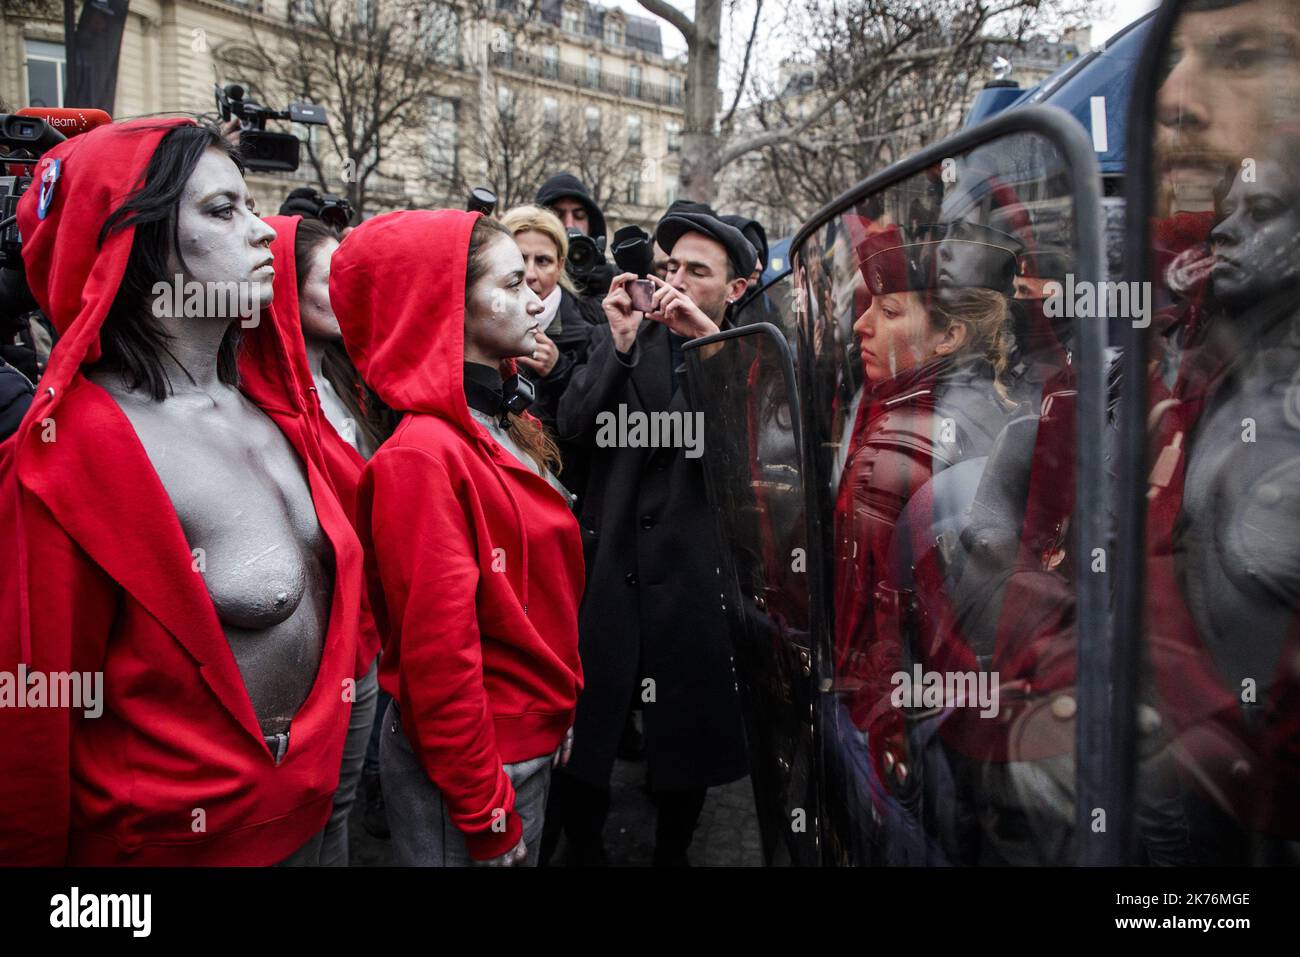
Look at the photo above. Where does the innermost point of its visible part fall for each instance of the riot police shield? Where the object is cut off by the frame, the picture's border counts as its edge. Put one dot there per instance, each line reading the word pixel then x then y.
pixel 1208 625
pixel 953 596
pixel 743 381
pixel 950 369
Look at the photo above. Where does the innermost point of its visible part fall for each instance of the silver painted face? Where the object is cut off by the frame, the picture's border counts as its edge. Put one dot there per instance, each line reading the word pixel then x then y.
pixel 500 310
pixel 1255 245
pixel 318 319
pixel 220 237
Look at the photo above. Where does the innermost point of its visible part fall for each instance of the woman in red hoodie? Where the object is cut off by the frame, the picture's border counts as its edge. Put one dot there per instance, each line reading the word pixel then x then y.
pixel 305 321
pixel 175 531
pixel 475 560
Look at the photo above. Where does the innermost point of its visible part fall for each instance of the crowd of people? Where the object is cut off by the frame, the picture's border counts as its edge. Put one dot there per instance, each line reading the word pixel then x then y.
pixel 360 541
pixel 365 537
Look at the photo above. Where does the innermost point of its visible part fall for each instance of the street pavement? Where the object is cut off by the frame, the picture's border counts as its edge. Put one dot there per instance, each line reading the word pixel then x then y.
pixel 727 835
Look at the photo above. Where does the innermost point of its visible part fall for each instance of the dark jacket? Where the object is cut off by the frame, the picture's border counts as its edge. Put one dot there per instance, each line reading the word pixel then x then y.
pixel 651 612
pixel 15 396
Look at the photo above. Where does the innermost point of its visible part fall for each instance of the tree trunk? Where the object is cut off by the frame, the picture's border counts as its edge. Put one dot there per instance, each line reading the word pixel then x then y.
pixel 699 167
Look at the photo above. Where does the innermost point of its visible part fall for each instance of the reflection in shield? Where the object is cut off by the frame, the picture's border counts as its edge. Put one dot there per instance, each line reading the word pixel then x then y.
pixel 950 455
pixel 1220 709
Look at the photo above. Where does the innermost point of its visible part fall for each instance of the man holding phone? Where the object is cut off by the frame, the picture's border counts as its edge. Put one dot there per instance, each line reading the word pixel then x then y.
pixel 651 632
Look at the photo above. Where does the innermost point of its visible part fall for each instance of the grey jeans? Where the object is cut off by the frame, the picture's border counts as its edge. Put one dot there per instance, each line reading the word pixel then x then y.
pixel 334 844
pixel 306 856
pixel 423 834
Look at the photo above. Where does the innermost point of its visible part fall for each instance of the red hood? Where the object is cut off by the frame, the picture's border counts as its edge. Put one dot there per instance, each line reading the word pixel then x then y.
pixel 267 363
pixel 74 280
pixel 397 285
pixel 260 368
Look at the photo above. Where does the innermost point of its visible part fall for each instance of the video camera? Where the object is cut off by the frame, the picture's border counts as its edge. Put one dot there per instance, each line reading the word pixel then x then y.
pixel 25 137
pixel 334 211
pixel 481 200
pixel 24 140
pixel 586 256
pixel 263 150
pixel 634 253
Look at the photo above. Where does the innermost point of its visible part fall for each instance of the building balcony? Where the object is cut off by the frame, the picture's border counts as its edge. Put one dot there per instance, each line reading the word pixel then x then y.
pixel 575 75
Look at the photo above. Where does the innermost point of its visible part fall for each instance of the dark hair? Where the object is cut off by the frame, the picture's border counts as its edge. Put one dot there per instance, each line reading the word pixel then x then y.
pixel 485 230
pixel 335 364
pixel 524 430
pixel 308 237
pixel 131 342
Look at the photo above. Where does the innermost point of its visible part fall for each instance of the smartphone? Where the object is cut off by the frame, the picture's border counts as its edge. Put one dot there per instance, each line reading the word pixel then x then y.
pixel 642 292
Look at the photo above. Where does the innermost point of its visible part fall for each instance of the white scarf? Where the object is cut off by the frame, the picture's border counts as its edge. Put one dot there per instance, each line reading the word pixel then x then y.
pixel 550 306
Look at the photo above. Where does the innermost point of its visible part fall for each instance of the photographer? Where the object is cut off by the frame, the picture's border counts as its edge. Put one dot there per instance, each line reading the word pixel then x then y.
pixel 652 556
pixel 754 306
pixel 572 204
pixel 565 196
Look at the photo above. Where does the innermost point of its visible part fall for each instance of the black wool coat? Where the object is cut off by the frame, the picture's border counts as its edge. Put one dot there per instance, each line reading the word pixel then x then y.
pixel 651 629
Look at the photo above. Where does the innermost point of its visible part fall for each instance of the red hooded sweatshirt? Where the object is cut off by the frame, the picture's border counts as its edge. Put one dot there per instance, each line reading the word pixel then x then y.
pixel 175 770
pixel 475 561
pixel 343 463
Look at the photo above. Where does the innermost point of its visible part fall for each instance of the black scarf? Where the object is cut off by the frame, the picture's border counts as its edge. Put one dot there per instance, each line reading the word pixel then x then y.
pixel 485 392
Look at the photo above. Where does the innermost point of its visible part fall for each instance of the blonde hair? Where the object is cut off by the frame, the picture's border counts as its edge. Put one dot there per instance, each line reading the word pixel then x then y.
pixel 985 314
pixel 537 219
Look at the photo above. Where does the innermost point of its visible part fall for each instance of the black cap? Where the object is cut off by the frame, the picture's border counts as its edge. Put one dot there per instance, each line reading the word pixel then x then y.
pixel 568 186
pixel 303 201
pixel 752 230
pixel 675 225
pixel 689 206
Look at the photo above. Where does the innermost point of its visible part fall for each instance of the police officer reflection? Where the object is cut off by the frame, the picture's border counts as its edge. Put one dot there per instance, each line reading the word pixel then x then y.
pixel 934 402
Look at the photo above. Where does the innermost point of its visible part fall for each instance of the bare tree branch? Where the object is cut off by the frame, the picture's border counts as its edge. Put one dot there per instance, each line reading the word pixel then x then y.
pixel 744 68
pixel 666 11
pixel 873 81
pixel 776 137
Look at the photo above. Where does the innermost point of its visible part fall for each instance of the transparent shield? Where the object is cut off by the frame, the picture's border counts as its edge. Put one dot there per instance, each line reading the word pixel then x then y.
pixel 743 380
pixel 938 326
pixel 1217 708
pixel 771 303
